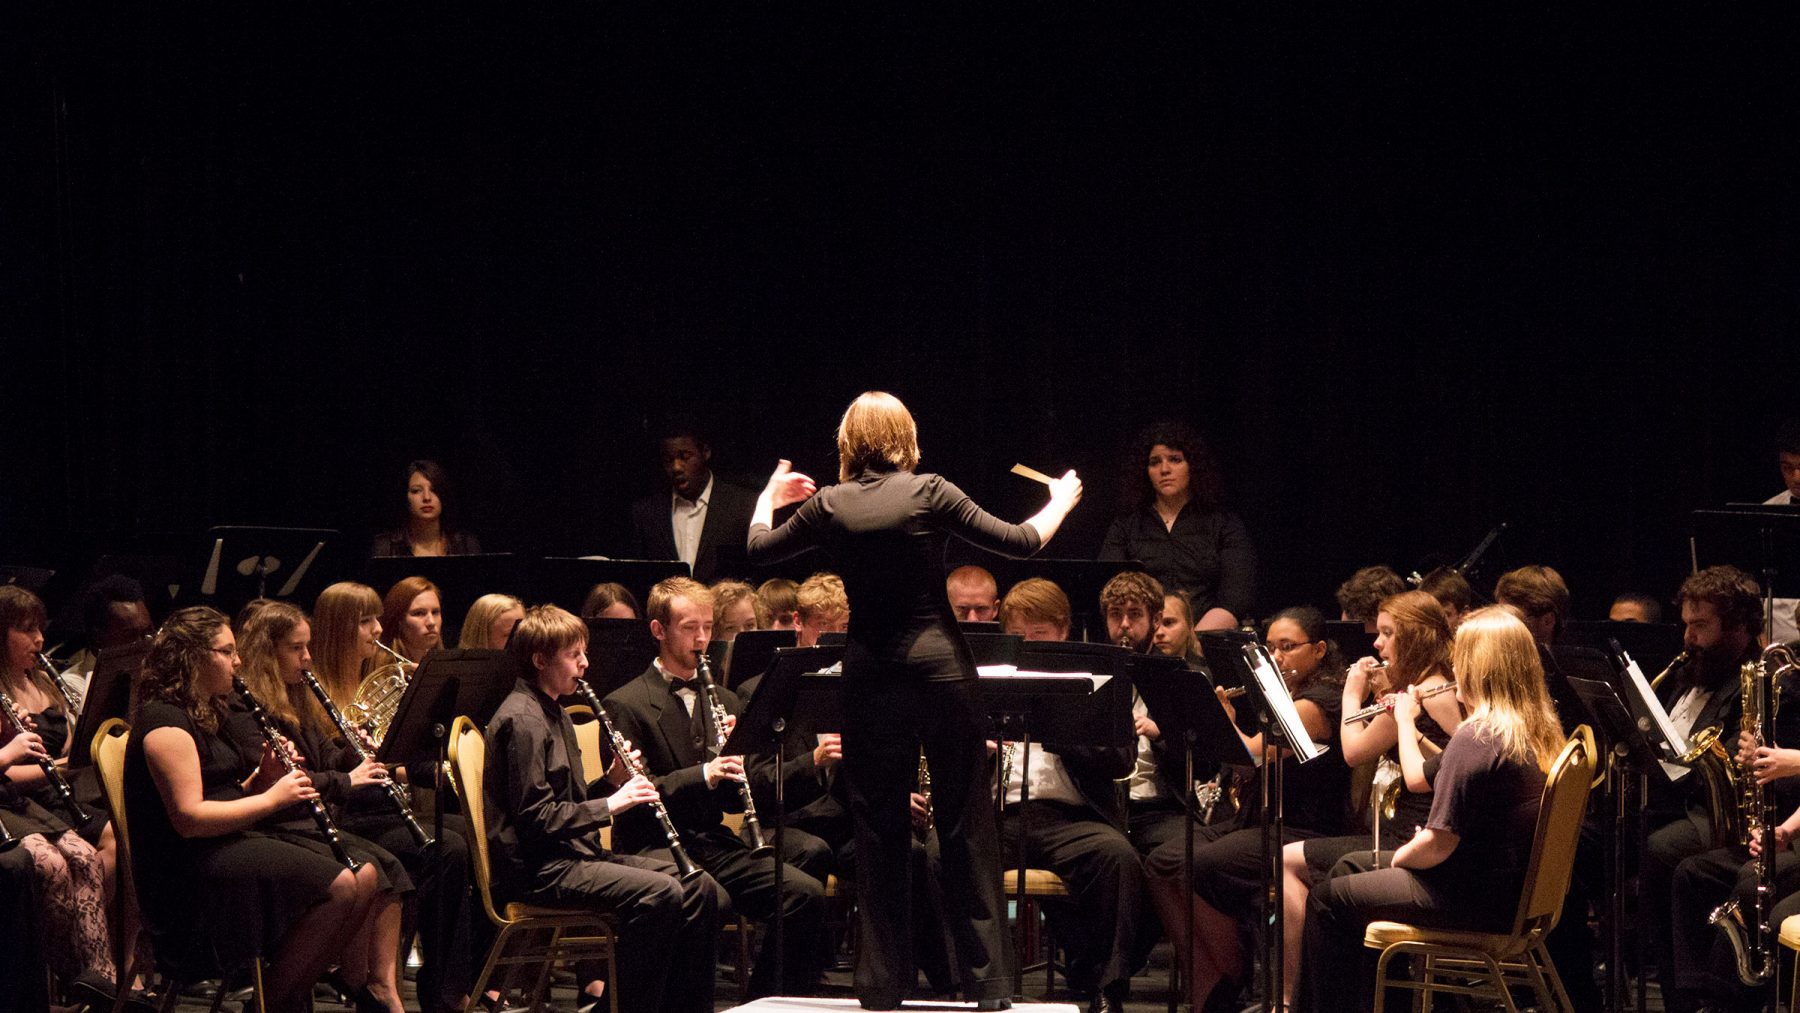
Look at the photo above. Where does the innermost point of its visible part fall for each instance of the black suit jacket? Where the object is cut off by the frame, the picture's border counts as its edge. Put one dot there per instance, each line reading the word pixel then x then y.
pixel 644 711
pixel 722 537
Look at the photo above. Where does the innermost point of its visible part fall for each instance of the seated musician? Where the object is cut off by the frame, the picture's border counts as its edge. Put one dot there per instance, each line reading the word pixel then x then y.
pixel 1360 597
pixel 1069 824
pixel 1229 871
pixel 194 797
pixel 1413 638
pixel 1479 830
pixel 545 823
pixel 667 716
pixel 821 605
pixel 1787 459
pixel 699 518
pixel 1174 634
pixel 1136 612
pixel 412 618
pixel 1635 607
pixel 490 622
pixel 735 609
pixel 427 528
pixel 974 596
pixel 609 601
pixel 275 650
pixel 778 596
pixel 113 614
pixel 1452 591
pixel 1721 610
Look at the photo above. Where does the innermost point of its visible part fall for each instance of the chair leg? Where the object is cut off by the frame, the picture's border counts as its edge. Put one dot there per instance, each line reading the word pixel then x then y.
pixel 257 995
pixel 542 984
pixel 485 978
pixel 1546 970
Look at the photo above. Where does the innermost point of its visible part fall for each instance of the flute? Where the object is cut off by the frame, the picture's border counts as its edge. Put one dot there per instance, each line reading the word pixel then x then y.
pixel 684 866
pixel 353 738
pixel 273 738
pixel 1386 705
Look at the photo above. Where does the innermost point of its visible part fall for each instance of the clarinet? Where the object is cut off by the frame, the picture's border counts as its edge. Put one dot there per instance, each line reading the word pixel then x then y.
pixel 395 791
pixel 273 738
pixel 69 701
pixel 753 826
pixel 684 866
pixel 59 785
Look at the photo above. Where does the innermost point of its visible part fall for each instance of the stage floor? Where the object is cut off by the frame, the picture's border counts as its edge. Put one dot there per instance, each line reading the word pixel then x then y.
pixel 783 1004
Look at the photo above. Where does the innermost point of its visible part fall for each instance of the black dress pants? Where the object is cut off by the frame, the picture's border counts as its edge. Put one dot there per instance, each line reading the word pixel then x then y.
pixel 668 929
pixel 1666 848
pixel 889 713
pixel 1105 938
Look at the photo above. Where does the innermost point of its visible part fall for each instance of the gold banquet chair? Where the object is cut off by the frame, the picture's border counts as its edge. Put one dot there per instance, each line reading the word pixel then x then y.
pixel 108 750
pixel 1462 962
pixel 530 935
pixel 1039 885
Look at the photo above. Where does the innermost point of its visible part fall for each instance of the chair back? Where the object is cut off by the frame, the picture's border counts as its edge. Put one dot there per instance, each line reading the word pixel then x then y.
pixel 587 737
pixel 468 765
pixel 1558 830
pixel 108 750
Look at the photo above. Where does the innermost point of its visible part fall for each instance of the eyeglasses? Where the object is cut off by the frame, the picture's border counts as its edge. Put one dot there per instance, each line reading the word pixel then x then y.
pixel 225 652
pixel 1285 646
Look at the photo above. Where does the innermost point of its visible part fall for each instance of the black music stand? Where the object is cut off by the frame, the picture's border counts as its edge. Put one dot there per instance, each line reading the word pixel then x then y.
pixel 752 653
pixel 971 626
pixel 1632 758
pixel 1242 653
pixel 762 728
pixel 566 580
pixel 1183 704
pixel 31 578
pixel 994 648
pixel 460 580
pixel 108 696
pixel 1766 533
pixel 244 562
pixel 1653 644
pixel 448 684
pixel 619 650
pixel 1353 641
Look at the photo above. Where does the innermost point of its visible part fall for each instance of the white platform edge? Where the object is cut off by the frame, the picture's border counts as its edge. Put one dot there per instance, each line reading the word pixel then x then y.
pixel 804 1004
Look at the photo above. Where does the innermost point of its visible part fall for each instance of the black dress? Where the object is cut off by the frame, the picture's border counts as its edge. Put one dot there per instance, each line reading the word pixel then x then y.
pixel 909 680
pixel 212 903
pixel 1207 554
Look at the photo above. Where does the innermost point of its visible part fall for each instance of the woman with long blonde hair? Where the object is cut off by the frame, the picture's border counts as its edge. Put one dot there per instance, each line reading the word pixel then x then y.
pixel 912 682
pixel 346 628
pixel 490 622
pixel 1483 817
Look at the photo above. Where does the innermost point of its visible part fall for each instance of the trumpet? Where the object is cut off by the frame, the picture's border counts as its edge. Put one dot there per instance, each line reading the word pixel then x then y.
pixel 280 748
pixel 59 785
pixel 1386 704
pixel 69 699
pixel 684 866
pixel 752 826
pixel 353 736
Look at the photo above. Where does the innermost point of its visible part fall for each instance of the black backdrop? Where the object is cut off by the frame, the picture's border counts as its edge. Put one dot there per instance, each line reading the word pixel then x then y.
pixel 1413 277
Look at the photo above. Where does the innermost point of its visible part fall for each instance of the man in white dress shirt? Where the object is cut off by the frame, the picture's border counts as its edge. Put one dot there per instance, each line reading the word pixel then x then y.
pixel 701 519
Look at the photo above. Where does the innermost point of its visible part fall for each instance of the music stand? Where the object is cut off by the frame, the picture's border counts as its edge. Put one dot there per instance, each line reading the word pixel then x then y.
pixel 971 626
pixel 1353 641
pixel 566 580
pixel 1767 533
pixel 1080 579
pixel 994 648
pixel 1242 653
pixel 762 728
pixel 108 696
pixel 619 650
pixel 830 639
pixel 244 562
pixel 1631 757
pixel 459 579
pixel 752 652
pixel 1183 704
pixel 31 578
pixel 1654 644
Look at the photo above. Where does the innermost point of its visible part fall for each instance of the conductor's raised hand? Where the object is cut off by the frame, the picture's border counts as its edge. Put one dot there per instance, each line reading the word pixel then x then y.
pixel 636 791
pixel 1065 492
pixel 787 486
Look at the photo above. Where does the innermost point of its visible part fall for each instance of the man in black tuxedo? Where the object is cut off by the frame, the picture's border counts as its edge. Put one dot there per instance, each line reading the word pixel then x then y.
pixel 666 716
pixel 700 520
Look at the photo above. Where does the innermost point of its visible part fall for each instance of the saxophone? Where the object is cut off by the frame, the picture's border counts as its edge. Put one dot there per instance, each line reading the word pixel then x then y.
pixel 1750 944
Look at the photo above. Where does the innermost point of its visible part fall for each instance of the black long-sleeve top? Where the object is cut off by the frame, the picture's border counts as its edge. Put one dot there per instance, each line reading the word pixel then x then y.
pixel 1207 554
pixel 885 532
pixel 538 809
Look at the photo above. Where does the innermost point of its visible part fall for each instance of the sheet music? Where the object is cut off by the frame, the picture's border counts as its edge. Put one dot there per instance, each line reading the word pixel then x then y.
pixel 1646 698
pixel 1275 691
pixel 1094 682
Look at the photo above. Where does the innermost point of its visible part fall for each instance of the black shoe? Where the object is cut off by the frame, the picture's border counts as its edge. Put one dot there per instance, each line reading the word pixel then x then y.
pixel 1103 1003
pixel 878 1002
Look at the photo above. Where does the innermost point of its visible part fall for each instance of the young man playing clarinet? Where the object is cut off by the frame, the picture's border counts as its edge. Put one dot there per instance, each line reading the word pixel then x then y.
pixel 666 713
pixel 545 825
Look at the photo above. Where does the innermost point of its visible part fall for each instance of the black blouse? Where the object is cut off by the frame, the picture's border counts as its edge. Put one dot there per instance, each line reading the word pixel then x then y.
pixel 1207 554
